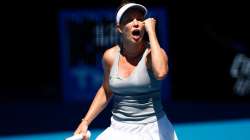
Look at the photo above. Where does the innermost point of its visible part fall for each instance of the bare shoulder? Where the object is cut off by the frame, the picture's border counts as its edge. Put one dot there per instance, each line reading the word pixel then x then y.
pixel 109 55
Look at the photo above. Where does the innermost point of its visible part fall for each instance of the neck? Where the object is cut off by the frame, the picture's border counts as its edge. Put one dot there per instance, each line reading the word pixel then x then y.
pixel 132 51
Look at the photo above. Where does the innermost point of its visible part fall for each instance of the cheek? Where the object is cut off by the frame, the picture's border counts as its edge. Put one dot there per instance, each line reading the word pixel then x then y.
pixel 143 29
pixel 126 30
pixel 143 32
pixel 143 26
pixel 125 33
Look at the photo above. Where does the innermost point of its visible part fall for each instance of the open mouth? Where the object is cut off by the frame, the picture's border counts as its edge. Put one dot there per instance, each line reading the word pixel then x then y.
pixel 136 32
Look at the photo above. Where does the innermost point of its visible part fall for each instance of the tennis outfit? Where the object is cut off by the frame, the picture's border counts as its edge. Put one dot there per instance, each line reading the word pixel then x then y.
pixel 137 112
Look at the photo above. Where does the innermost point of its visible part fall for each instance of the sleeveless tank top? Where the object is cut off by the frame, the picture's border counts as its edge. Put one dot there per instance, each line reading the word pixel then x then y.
pixel 136 98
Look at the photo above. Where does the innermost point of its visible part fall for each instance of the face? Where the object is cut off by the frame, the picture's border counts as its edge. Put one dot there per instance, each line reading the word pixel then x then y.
pixel 132 26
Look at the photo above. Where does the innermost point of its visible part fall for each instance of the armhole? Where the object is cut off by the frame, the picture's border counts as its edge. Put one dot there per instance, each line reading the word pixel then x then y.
pixel 147 56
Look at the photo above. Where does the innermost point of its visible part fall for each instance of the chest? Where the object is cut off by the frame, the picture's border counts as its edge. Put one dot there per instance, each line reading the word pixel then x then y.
pixel 131 78
pixel 125 68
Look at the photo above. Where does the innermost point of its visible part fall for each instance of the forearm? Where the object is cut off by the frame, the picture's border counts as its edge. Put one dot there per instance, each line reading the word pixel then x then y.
pixel 159 62
pixel 99 103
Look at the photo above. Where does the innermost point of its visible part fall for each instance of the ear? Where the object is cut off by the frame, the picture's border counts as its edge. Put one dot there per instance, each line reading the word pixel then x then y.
pixel 118 28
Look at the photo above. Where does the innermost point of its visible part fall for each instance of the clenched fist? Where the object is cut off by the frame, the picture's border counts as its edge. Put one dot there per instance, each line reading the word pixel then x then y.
pixel 150 24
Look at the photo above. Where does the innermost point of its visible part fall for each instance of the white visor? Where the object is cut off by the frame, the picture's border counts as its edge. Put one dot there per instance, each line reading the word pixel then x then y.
pixel 124 8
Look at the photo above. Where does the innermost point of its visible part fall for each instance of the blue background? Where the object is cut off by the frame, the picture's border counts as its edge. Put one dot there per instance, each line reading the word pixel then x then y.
pixel 46 87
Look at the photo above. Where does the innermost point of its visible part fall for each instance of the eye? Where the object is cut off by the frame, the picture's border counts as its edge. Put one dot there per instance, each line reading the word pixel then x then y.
pixel 140 19
pixel 129 20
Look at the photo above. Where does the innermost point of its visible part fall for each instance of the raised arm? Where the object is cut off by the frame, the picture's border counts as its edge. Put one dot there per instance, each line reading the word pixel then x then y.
pixel 158 60
pixel 101 99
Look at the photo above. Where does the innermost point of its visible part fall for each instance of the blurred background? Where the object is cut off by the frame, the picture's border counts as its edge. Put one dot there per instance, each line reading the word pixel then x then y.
pixel 51 66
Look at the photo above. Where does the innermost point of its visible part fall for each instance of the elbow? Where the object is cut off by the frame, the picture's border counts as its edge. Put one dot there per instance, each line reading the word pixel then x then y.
pixel 161 75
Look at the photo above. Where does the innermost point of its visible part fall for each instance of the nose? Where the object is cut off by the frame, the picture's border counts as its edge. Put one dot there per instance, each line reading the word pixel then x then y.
pixel 135 23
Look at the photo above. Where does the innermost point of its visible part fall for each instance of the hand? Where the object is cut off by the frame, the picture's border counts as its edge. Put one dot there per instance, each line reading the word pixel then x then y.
pixel 82 129
pixel 150 24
